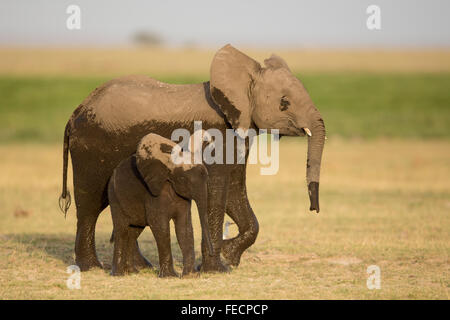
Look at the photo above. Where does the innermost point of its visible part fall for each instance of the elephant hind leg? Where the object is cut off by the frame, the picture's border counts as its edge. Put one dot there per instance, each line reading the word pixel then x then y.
pixel 89 207
pixel 140 262
pixel 90 191
pixel 124 241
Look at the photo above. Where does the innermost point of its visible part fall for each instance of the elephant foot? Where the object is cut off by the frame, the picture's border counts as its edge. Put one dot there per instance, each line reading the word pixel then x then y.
pixel 141 262
pixel 230 254
pixel 123 270
pixel 189 272
pixel 213 264
pixel 88 263
pixel 166 272
pixel 190 275
pixel 117 272
pixel 120 273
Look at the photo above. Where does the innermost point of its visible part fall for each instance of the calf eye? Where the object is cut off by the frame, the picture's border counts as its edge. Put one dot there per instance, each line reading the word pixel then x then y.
pixel 284 103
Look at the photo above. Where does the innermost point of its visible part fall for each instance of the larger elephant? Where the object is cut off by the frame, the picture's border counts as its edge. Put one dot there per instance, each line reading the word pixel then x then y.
pixel 241 94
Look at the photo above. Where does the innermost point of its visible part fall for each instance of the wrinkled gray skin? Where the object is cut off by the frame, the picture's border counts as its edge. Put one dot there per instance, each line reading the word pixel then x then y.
pixel 109 123
pixel 147 189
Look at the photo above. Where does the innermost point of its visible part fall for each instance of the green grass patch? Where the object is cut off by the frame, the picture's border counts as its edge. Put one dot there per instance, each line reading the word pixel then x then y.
pixel 34 109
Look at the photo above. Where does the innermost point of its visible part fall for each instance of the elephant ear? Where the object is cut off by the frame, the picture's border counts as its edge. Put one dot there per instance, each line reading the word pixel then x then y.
pixel 151 162
pixel 155 174
pixel 231 75
pixel 276 62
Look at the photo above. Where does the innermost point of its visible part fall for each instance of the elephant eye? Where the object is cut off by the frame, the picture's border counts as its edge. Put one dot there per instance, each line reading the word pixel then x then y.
pixel 284 103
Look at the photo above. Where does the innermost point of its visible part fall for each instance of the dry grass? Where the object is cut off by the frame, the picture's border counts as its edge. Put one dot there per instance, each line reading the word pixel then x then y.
pixel 384 203
pixel 165 61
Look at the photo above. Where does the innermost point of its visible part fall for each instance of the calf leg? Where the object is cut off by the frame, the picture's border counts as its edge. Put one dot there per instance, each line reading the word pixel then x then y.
pixel 140 262
pixel 122 262
pixel 185 237
pixel 159 224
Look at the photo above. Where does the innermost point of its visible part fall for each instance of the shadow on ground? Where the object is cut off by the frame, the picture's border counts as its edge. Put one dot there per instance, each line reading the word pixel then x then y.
pixel 61 247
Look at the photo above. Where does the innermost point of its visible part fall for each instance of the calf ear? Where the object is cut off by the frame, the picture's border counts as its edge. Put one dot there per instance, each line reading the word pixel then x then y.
pixel 154 172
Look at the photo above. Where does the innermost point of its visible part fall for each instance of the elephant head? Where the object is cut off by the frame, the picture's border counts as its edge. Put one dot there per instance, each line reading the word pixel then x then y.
pixel 269 97
pixel 154 163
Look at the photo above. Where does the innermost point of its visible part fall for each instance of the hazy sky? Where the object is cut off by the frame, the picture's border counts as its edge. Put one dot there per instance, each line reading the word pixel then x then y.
pixel 331 23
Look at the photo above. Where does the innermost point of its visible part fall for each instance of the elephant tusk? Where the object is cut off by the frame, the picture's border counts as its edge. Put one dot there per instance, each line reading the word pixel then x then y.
pixel 308 132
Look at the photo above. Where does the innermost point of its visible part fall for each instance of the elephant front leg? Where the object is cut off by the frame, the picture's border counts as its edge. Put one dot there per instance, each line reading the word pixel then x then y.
pixel 217 193
pixel 239 209
pixel 161 232
pixel 185 237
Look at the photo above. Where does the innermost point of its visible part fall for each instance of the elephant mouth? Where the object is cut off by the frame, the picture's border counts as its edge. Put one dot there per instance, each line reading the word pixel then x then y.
pixel 294 130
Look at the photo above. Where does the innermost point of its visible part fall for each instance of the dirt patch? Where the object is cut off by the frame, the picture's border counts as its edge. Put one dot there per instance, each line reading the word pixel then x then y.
pixel 21 213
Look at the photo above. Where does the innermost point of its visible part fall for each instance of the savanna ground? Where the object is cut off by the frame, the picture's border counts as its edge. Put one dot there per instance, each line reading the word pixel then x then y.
pixel 385 189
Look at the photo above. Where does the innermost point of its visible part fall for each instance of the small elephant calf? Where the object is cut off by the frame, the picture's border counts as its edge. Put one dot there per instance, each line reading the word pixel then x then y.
pixel 149 189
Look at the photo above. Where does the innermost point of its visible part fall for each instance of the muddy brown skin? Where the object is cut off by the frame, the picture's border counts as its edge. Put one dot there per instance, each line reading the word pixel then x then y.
pixel 109 123
pixel 144 191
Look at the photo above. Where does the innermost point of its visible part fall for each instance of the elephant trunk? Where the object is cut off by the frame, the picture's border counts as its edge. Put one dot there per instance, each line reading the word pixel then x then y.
pixel 202 204
pixel 315 147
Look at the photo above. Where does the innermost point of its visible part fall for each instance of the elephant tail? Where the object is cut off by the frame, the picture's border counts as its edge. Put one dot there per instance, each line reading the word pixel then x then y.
pixel 65 198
